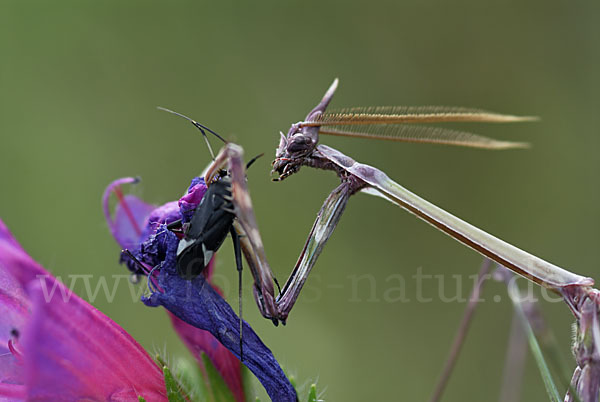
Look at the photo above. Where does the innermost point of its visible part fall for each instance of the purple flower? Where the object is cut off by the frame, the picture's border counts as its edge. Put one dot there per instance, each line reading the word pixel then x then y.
pixel 199 341
pixel 195 301
pixel 56 346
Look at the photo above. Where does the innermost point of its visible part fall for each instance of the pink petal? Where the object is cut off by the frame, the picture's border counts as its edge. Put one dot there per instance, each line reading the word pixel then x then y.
pixel 130 217
pixel 15 261
pixel 166 213
pixel 12 392
pixel 14 305
pixel 14 311
pixel 190 201
pixel 72 351
pixel 7 237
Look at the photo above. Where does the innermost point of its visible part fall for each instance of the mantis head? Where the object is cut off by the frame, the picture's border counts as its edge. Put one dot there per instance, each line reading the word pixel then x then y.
pixel 295 148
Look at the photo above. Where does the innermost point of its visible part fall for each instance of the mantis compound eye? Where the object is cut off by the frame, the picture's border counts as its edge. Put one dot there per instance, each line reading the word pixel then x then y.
pixel 299 143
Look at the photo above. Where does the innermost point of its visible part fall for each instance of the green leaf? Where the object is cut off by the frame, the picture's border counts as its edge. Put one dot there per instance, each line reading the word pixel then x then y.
pixel 247 382
pixel 293 381
pixel 220 390
pixel 192 379
pixel 174 390
pixel 312 394
pixel 141 399
pixel 159 359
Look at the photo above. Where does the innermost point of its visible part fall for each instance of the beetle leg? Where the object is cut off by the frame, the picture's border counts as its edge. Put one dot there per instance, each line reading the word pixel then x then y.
pixel 238 262
pixel 175 225
pixel 246 226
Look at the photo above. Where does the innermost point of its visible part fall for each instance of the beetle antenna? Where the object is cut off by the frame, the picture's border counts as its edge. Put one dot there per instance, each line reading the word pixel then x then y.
pixel 199 127
pixel 253 160
pixel 240 313
pixel 212 154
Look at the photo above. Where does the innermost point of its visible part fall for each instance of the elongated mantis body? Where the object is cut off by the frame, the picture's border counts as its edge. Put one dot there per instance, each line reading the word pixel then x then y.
pixel 300 147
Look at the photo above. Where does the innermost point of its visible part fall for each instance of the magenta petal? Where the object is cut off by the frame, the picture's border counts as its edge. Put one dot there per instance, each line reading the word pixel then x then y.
pixel 72 351
pixel 130 217
pixel 12 392
pixel 190 201
pixel 15 261
pixel 124 230
pixel 69 350
pixel 13 306
pixel 7 237
pixel 166 213
pixel 14 310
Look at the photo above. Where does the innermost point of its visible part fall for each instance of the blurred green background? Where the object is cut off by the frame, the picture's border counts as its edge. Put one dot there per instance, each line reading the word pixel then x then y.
pixel 79 83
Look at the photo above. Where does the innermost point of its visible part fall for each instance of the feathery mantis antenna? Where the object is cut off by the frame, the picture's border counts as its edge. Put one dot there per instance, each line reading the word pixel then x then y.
pixel 199 127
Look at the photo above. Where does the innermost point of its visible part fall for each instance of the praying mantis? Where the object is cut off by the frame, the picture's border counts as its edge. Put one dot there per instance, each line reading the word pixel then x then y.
pixel 300 147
